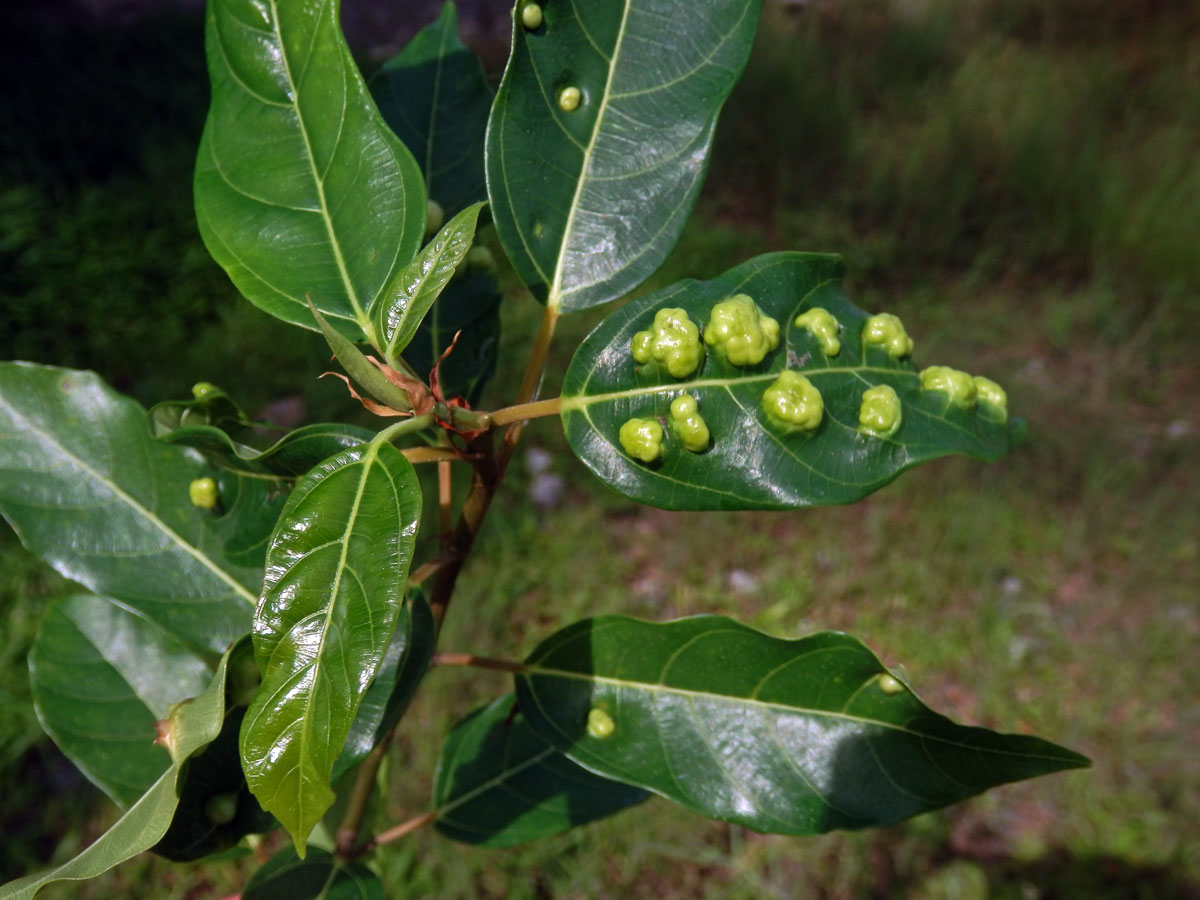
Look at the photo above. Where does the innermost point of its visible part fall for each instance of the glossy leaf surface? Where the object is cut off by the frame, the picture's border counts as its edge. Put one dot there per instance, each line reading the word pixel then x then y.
pixel 194 725
pixel 101 676
pixel 91 492
pixel 751 462
pixel 403 666
pixel 589 198
pixel 790 737
pixel 469 308
pixel 436 98
pixel 301 188
pixel 498 783
pixel 318 876
pixel 336 572
pixel 409 297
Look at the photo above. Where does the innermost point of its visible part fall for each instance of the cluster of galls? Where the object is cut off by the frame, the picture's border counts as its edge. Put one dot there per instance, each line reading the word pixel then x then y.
pixel 743 335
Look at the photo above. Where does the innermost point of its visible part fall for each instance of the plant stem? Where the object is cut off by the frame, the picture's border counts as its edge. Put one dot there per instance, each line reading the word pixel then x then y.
pixel 392 432
pixel 526 411
pixel 533 377
pixel 477 662
pixel 399 831
pixel 360 795
pixel 445 497
pixel 429 454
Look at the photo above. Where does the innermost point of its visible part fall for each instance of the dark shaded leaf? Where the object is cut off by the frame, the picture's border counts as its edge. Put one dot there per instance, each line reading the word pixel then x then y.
pixel 318 876
pixel 498 783
pixel 788 737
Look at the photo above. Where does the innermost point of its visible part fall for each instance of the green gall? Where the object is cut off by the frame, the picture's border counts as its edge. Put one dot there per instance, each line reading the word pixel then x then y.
pixel 992 394
pixel 203 492
pixel 890 684
pixel 879 415
pixel 435 216
pixel 673 340
pixel 958 386
pixel 220 809
pixel 887 331
pixel 740 331
pixel 824 327
pixel 531 16
pixel 600 724
pixel 793 402
pixel 480 259
pixel 688 425
pixel 568 99
pixel 205 390
pixel 642 439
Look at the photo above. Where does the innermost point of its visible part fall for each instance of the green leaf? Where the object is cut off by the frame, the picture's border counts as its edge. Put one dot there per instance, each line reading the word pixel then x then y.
pixel 752 462
pixel 360 369
pixel 89 490
pixel 193 725
pixel 408 298
pixel 436 98
pixel 290 456
pixel 318 876
pixel 301 188
pixel 787 737
pixel 403 666
pixel 101 676
pixel 216 809
pixel 470 309
pixel 589 201
pixel 498 783
pixel 336 572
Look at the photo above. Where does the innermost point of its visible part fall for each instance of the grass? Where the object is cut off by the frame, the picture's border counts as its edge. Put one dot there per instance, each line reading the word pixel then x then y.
pixel 1019 181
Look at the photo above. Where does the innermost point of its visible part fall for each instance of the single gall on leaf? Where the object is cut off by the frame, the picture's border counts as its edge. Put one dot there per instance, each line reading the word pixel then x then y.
pixel 673 341
pixel 740 331
pixel 792 403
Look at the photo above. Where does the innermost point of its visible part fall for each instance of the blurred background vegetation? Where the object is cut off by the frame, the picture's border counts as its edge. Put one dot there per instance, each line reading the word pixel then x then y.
pixel 1018 179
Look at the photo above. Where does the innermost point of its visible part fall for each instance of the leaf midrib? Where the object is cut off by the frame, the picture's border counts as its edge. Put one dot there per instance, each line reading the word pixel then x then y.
pixel 532 669
pixel 554 298
pixel 318 181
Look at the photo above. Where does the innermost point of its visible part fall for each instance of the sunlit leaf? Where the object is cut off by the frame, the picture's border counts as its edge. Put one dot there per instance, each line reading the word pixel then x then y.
pixel 783 736
pixel 91 492
pixel 335 579
pixel 751 460
pixel 599 137
pixel 101 676
pixel 301 188
pixel 193 725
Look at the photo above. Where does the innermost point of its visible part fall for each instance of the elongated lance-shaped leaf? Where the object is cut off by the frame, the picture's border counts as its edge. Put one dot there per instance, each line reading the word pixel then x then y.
pixel 788 737
pixel 402 307
pixel 101 676
pixel 498 783
pixel 301 188
pixel 319 875
pixel 403 666
pixel 599 137
pixel 436 98
pixel 466 315
pixel 752 459
pixel 359 368
pixel 336 572
pixel 91 492
pixel 191 726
